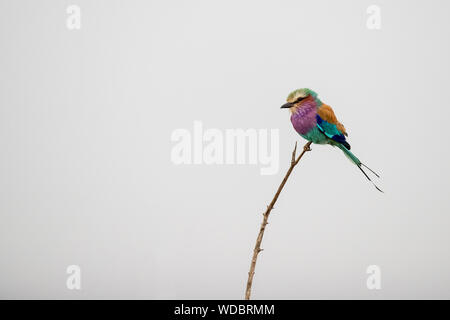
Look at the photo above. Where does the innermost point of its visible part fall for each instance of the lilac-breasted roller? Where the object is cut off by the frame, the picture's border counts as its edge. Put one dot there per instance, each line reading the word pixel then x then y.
pixel 316 122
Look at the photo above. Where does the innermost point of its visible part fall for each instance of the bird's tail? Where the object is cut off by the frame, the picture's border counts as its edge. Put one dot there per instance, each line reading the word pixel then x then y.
pixel 356 161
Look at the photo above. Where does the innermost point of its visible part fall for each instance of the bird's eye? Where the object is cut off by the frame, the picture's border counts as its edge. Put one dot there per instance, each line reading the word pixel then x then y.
pixel 299 99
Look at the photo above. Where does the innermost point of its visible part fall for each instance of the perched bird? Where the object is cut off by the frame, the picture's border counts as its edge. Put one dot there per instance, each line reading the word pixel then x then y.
pixel 315 121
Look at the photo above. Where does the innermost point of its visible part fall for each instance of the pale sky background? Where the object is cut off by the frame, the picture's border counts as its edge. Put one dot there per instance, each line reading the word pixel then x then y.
pixel 86 177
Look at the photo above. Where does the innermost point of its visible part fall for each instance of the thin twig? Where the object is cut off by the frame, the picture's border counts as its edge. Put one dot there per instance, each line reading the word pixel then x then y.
pixel 266 214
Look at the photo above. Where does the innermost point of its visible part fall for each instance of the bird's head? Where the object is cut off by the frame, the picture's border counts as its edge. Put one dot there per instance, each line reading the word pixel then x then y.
pixel 297 97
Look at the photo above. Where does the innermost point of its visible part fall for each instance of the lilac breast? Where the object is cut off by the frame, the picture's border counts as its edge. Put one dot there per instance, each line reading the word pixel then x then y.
pixel 304 119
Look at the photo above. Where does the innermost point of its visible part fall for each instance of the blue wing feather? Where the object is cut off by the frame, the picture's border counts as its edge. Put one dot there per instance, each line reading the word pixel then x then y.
pixel 331 131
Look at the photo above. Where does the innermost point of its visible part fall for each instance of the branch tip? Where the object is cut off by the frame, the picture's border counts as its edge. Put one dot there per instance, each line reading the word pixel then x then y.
pixel 294 153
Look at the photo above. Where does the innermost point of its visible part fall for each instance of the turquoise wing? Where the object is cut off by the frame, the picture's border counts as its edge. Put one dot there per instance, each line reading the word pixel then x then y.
pixel 331 131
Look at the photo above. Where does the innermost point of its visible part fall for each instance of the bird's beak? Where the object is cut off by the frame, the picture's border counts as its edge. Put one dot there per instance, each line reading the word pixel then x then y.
pixel 287 105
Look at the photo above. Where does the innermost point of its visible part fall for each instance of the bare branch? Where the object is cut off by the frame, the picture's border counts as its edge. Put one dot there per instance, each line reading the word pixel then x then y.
pixel 266 214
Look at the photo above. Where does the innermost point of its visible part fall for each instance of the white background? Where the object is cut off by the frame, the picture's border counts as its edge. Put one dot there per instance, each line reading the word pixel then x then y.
pixel 86 177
